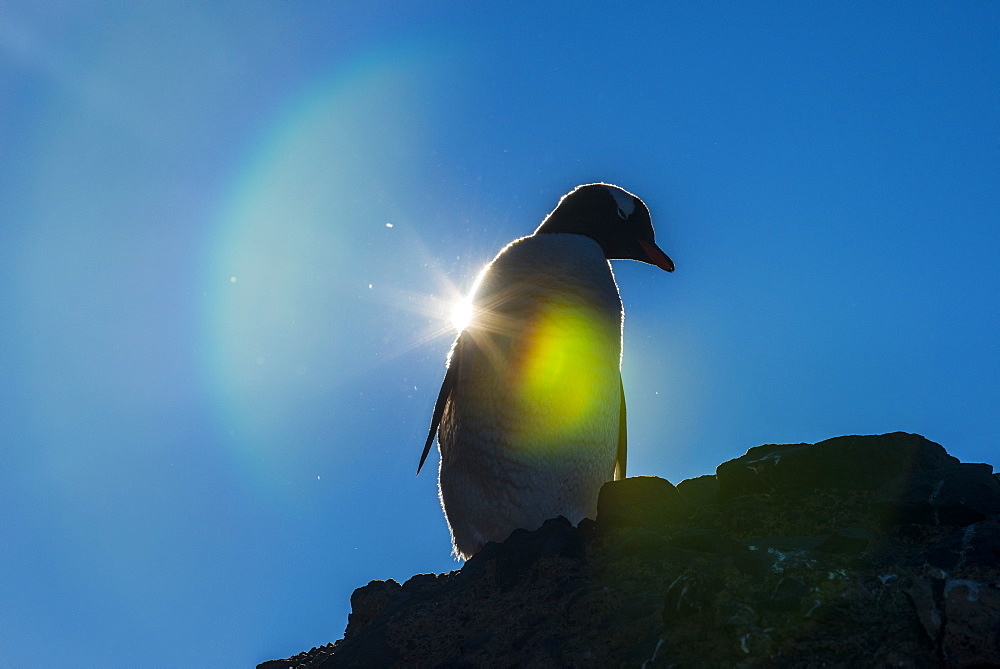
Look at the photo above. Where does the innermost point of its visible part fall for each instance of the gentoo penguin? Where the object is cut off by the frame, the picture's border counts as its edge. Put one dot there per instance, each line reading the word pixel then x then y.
pixel 531 415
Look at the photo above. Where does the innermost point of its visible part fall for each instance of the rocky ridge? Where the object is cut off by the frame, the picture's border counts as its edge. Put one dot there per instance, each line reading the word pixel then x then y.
pixel 854 551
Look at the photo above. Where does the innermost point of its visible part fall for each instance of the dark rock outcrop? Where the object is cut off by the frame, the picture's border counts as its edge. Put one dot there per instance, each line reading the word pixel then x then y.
pixel 856 551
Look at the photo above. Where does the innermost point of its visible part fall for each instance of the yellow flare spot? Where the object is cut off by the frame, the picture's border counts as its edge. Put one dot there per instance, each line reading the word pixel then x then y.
pixel 564 374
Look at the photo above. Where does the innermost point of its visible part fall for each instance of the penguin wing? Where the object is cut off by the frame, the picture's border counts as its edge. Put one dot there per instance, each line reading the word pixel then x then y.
pixel 447 386
pixel 622 436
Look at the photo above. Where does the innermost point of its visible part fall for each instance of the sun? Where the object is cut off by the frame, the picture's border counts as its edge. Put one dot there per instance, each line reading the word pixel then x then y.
pixel 461 313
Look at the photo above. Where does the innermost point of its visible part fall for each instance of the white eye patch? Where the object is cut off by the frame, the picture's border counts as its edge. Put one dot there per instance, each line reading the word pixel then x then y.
pixel 625 202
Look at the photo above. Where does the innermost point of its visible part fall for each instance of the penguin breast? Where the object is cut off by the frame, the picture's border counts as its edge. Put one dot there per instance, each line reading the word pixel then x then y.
pixel 539 367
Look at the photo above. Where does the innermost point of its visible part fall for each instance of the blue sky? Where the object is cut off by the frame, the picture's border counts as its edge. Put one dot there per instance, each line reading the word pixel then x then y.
pixel 231 236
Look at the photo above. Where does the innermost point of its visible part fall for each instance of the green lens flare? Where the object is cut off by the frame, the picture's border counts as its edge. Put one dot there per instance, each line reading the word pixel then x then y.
pixel 564 374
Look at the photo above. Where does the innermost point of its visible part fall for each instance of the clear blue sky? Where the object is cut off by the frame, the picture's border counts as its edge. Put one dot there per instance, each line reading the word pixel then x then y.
pixel 231 235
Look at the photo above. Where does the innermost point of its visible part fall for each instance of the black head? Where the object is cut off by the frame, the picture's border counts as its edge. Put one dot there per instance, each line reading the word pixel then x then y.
pixel 614 218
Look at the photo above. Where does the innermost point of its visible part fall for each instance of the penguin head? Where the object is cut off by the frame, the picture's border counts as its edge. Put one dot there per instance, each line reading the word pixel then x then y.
pixel 614 218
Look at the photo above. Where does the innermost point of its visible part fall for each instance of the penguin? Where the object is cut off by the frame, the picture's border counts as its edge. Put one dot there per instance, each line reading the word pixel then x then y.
pixel 530 419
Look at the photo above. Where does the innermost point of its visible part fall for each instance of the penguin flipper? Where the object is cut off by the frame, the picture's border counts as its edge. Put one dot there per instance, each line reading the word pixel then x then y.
pixel 446 387
pixel 622 437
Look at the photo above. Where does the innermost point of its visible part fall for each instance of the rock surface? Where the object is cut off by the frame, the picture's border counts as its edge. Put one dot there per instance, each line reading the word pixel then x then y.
pixel 855 551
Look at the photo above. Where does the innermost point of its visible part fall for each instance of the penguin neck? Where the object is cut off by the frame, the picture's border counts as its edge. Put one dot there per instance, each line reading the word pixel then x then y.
pixel 565 229
pixel 566 263
pixel 570 235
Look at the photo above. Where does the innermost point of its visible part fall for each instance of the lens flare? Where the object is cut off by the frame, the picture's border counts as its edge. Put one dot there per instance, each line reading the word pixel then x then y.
pixel 565 372
pixel 299 240
pixel 553 368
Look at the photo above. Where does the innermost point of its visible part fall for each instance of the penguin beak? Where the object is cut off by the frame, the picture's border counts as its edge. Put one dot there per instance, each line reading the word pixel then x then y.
pixel 654 256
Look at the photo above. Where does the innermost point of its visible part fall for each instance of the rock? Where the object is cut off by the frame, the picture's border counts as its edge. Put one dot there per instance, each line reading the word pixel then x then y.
pixel 511 561
pixel 788 594
pixel 850 540
pixel 971 635
pixel 699 491
pixel 976 545
pixel 784 559
pixel 706 541
pixel 958 494
pixel 641 500
pixel 368 604
pixel 922 595
pixel 854 463
pixel 960 618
